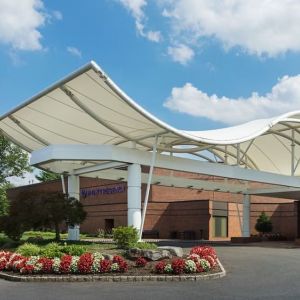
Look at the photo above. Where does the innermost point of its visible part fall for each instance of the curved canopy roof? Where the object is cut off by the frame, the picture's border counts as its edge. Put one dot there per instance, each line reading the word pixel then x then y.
pixel 87 107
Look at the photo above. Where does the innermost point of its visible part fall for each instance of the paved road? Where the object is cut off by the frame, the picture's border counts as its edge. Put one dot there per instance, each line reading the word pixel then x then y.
pixel 253 273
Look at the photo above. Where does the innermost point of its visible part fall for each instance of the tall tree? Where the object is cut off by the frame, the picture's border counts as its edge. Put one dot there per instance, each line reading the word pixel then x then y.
pixel 13 160
pixel 4 204
pixel 45 176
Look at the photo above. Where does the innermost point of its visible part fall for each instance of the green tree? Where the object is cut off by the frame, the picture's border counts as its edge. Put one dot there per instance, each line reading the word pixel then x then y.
pixel 4 204
pixel 45 176
pixel 13 160
pixel 35 210
pixel 263 223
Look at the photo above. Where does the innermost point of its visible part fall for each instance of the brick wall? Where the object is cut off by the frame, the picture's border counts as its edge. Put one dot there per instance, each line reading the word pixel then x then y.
pixel 175 209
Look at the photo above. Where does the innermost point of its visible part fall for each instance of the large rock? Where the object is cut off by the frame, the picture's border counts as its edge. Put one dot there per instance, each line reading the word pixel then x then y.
pixel 175 251
pixel 153 255
pixel 108 256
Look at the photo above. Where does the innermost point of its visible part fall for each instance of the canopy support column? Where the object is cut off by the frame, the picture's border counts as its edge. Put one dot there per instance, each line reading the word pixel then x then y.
pixel 73 192
pixel 63 184
pixel 134 196
pixel 148 187
pixel 246 215
pixel 293 153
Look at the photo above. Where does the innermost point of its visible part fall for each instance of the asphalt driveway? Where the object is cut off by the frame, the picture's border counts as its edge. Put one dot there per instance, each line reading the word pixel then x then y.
pixel 253 272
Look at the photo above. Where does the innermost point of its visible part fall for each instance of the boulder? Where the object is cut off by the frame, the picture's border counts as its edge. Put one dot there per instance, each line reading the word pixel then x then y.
pixel 175 251
pixel 153 255
pixel 108 256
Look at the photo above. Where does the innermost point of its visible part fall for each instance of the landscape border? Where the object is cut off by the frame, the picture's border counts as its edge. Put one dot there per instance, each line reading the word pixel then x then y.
pixel 115 278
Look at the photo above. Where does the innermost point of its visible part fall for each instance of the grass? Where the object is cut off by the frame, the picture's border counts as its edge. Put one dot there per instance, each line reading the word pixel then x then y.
pixel 48 237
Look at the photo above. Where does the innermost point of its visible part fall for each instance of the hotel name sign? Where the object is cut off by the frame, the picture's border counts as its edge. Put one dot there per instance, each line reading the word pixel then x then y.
pixel 98 191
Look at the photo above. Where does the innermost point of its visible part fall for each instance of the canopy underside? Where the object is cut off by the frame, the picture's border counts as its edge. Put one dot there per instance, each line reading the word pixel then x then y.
pixel 88 108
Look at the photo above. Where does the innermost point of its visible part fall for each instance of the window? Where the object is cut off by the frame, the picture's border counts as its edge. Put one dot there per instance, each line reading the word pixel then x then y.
pixel 220 225
pixel 220 219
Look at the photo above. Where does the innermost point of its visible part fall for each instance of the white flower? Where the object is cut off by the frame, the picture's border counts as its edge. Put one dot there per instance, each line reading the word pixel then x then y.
pixel 114 267
pixel 204 264
pixel 56 265
pixel 32 260
pixel 74 264
pixel 190 266
pixel 168 268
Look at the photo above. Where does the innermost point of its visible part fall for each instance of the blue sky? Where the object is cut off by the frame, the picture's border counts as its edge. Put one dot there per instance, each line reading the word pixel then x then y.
pixel 196 64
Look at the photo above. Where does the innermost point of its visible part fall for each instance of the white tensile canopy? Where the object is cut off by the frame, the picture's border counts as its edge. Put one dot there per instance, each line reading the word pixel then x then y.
pixel 87 107
pixel 85 124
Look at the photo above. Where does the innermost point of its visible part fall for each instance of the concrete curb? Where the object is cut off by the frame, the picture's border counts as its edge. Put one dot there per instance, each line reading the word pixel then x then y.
pixel 116 278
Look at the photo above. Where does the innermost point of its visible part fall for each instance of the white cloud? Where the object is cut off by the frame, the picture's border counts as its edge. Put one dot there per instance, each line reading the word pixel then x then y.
pixel 284 97
pixel 57 15
pixel 28 178
pixel 181 53
pixel 260 27
pixel 136 8
pixel 20 22
pixel 74 51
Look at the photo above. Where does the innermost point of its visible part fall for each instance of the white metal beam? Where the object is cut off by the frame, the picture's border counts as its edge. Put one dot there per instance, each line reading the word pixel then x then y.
pixel 272 190
pixel 113 153
pixel 180 182
pixel 28 131
pixel 148 187
pixel 99 167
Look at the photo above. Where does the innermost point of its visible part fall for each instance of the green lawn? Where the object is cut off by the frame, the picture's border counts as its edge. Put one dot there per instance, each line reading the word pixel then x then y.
pixel 48 237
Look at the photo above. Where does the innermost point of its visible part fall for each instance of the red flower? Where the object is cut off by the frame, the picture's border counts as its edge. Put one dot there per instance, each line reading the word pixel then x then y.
pixel 2 264
pixel 47 264
pixel 28 269
pixel 199 268
pixel 211 260
pixel 65 263
pixel 105 266
pixel 203 251
pixel 160 267
pixel 178 265
pixel 123 266
pixel 141 262
pixel 12 260
pixel 85 263
pixel 21 264
pixel 118 259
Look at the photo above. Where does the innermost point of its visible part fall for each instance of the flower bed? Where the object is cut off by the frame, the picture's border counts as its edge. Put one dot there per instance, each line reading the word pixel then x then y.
pixel 200 260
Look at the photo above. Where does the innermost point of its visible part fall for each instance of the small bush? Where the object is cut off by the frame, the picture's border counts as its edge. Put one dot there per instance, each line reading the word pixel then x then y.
pixel 74 250
pixel 145 246
pixel 4 240
pixel 28 249
pixel 11 227
pixel 52 250
pixel 125 237
pixel 263 224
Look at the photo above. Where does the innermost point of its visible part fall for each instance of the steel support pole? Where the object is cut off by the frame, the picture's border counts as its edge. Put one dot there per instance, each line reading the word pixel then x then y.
pixel 134 196
pixel 63 184
pixel 246 216
pixel 148 187
pixel 73 192
pixel 293 153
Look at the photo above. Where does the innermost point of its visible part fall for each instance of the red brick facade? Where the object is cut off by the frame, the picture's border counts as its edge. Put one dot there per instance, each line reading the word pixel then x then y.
pixel 173 210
